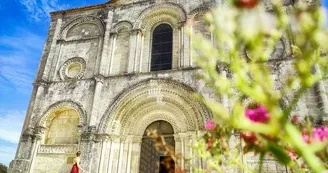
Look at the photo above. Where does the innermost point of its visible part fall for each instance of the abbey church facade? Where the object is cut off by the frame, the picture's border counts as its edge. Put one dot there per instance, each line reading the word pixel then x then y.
pixel 108 73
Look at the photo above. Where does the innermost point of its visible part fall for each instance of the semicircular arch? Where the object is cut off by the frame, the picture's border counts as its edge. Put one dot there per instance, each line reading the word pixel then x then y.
pixel 91 20
pixel 61 105
pixel 122 25
pixel 161 95
pixel 166 11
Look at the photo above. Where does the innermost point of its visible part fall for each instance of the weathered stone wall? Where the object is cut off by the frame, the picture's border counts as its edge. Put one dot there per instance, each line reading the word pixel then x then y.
pixel 96 62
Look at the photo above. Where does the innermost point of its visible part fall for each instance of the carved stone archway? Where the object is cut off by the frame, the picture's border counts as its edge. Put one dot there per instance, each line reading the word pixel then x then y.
pixel 151 100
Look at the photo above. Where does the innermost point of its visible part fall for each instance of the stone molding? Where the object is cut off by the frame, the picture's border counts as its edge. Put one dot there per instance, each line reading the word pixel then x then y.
pixel 122 25
pixel 60 105
pixel 148 86
pixel 63 68
pixel 173 10
pixel 99 78
pixel 40 83
pixel 199 10
pixel 81 20
pixel 58 149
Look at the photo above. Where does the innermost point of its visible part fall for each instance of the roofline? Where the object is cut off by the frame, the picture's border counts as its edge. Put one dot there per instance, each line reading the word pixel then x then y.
pixel 85 8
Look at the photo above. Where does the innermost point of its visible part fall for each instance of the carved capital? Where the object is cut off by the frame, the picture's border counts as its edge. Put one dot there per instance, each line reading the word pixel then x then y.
pixel 38 137
pixel 99 78
pixel 39 130
pixel 181 24
pixel 113 34
pixel 136 31
pixel 28 133
pixel 137 139
pixel 102 137
pixel 89 134
pixel 40 83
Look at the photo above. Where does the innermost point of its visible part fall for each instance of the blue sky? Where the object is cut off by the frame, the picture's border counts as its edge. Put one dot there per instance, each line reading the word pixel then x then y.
pixel 22 35
pixel 23 32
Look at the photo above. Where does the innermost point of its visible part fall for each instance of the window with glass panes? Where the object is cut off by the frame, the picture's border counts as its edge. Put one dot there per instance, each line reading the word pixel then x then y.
pixel 161 55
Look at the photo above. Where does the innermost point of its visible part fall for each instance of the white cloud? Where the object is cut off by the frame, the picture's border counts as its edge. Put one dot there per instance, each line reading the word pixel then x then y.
pixel 11 123
pixel 7 153
pixel 40 9
pixel 19 60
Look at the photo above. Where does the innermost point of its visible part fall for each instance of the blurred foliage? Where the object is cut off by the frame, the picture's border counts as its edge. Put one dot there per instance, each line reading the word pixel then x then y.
pixel 245 25
pixel 251 106
pixel 3 168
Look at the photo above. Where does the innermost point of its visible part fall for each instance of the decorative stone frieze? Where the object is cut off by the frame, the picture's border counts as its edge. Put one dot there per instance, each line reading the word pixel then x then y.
pixel 57 149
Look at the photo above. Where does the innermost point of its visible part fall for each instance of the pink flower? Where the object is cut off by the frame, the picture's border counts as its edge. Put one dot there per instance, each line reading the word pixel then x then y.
pixel 210 125
pixel 320 134
pixel 305 137
pixel 293 155
pixel 258 114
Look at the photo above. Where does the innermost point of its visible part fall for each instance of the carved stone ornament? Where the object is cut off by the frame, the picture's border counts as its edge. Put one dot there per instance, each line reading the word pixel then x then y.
pixel 58 149
pixel 163 12
pixel 152 100
pixel 73 68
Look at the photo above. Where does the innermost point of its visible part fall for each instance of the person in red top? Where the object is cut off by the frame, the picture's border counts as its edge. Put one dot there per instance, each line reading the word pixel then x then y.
pixel 76 163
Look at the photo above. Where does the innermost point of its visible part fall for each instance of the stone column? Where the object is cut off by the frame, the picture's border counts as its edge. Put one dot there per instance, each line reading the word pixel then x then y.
pixel 54 67
pixel 129 160
pixel 52 51
pixel 23 155
pixel 38 134
pixel 181 47
pixel 37 97
pixel 86 148
pixel 113 37
pixel 104 63
pixel 133 47
pixel 121 156
pixel 96 97
pixel 188 50
pixel 26 152
pixel 111 154
pixel 104 143
pixel 139 51
pixel 135 157
pixel 179 148
pixel 188 138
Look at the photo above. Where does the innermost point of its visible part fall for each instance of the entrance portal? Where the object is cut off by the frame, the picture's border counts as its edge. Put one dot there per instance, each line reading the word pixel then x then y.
pixel 151 161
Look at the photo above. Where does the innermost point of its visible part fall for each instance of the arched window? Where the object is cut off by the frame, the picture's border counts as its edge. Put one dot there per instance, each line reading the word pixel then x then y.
pixel 161 54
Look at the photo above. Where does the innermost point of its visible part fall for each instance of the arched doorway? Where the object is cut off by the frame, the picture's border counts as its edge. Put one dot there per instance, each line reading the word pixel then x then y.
pixel 151 161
